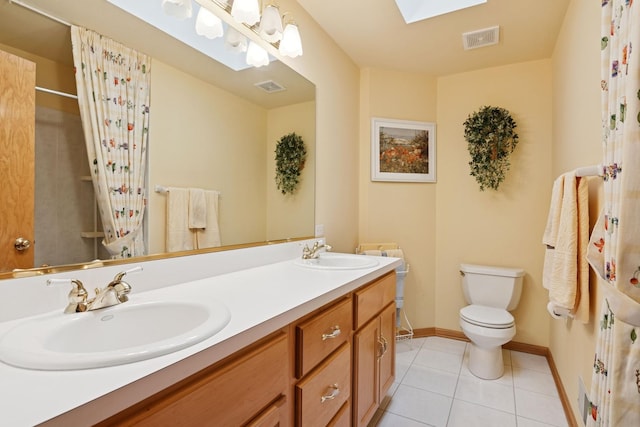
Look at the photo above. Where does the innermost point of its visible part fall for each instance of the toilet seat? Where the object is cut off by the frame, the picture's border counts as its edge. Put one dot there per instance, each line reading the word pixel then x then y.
pixel 487 317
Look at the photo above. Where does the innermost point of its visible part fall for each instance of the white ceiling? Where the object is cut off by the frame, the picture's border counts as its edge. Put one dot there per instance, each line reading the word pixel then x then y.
pixel 374 34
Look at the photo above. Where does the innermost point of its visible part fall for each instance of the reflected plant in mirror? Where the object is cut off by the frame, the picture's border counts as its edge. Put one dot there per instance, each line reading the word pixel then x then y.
pixel 211 127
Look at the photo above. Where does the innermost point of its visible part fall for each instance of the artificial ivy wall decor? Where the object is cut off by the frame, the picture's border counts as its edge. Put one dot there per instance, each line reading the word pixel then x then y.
pixel 290 157
pixel 490 133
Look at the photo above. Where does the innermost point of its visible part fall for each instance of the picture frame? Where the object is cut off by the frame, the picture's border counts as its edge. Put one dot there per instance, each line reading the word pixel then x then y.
pixel 403 150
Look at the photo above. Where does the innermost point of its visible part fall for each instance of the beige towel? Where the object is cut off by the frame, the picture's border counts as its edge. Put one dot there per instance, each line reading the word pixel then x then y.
pixel 178 235
pixel 395 253
pixel 566 235
pixel 197 209
pixel 209 237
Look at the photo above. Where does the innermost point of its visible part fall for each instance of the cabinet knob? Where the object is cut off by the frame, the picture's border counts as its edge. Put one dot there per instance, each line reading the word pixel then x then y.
pixel 332 392
pixel 335 331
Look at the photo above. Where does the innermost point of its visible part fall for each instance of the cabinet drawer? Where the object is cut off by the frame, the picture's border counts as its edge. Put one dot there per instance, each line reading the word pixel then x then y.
pixel 343 417
pixel 317 337
pixel 321 394
pixel 373 298
pixel 227 395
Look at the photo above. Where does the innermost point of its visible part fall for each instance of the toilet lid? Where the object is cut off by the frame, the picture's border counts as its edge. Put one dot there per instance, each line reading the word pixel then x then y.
pixel 489 317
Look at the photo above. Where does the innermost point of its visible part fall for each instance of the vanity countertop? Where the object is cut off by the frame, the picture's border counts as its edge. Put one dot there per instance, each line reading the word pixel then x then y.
pixel 261 300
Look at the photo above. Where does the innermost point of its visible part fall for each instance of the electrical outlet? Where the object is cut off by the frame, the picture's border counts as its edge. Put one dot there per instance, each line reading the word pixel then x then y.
pixel 319 230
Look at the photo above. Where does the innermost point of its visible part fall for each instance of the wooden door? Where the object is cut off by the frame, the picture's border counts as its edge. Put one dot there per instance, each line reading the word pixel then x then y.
pixel 17 159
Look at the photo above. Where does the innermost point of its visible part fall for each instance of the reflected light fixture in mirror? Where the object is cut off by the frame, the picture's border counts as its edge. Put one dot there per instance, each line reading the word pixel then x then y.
pixel 256 55
pixel 208 24
pixel 180 9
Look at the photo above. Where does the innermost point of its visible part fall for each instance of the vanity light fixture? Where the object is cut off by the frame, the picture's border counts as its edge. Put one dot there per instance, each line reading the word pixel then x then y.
pixel 208 24
pixel 180 9
pixel 246 11
pixel 256 55
pixel 268 26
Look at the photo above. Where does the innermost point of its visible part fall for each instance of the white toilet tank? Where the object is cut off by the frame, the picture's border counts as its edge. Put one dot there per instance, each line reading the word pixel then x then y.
pixel 497 287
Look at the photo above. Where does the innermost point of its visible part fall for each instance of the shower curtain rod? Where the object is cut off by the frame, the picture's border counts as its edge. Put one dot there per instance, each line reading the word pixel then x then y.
pixel 40 12
pixel 56 92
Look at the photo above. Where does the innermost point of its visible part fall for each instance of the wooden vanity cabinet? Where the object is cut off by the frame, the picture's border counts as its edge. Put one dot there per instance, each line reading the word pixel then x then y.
pixel 248 388
pixel 373 347
pixel 331 367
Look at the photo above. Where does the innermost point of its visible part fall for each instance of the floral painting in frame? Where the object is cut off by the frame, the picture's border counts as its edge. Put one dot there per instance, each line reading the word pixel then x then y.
pixel 403 150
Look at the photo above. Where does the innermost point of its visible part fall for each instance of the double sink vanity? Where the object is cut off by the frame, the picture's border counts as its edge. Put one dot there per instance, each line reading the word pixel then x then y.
pixel 282 341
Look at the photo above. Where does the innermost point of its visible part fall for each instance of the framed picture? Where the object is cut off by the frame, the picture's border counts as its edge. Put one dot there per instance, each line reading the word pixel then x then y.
pixel 403 151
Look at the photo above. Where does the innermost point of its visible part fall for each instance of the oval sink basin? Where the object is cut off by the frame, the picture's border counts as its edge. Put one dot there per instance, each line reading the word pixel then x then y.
pixel 116 335
pixel 337 261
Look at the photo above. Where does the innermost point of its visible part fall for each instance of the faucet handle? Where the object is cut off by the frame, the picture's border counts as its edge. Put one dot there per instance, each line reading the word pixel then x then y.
pixel 77 296
pixel 120 275
pixel 121 287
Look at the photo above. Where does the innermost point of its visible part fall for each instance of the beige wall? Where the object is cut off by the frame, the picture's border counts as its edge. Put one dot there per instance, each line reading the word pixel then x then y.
pixel 193 143
pixel 489 227
pixel 291 215
pixel 576 136
pixel 400 212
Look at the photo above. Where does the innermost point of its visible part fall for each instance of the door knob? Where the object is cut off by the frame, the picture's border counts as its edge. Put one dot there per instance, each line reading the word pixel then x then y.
pixel 21 244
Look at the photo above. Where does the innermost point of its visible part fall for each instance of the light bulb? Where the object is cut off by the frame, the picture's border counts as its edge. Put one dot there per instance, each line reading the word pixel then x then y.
pixel 180 9
pixel 271 24
pixel 291 45
pixel 235 40
pixel 246 11
pixel 256 55
pixel 208 24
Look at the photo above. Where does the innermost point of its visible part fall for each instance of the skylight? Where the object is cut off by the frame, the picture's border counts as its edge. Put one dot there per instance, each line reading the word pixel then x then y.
pixel 417 10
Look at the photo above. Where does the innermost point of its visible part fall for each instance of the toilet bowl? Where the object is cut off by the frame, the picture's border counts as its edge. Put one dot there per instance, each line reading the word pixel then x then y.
pixel 488 329
pixel 486 321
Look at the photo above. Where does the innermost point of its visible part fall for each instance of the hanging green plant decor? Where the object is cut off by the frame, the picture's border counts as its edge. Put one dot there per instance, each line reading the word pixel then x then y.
pixel 290 157
pixel 491 138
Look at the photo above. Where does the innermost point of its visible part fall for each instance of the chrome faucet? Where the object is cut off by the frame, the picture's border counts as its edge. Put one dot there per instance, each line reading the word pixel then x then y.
pixel 116 292
pixel 314 252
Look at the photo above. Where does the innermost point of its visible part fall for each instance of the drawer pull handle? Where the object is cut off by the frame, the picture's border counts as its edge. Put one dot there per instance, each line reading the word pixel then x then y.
pixel 335 331
pixel 383 346
pixel 333 390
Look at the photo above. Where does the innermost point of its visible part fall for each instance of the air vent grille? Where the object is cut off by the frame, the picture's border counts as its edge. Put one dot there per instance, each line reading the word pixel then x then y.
pixel 270 86
pixel 481 38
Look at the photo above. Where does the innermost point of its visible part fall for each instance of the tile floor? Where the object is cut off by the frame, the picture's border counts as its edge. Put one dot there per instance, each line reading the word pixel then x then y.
pixel 435 388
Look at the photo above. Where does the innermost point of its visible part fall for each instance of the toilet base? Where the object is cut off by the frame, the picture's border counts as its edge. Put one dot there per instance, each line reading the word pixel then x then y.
pixel 486 363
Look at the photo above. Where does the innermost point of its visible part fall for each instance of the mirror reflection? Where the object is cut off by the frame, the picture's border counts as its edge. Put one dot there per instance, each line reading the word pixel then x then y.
pixel 210 128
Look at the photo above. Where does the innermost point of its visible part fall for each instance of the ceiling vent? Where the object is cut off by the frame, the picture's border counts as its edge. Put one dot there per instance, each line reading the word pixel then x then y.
pixel 270 86
pixel 481 38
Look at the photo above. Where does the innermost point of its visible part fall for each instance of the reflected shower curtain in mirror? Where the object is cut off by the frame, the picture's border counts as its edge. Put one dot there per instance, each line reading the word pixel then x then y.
pixel 113 95
pixel 614 248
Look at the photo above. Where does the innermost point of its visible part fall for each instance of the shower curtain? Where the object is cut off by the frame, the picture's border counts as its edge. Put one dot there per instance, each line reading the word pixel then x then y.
pixel 614 249
pixel 113 84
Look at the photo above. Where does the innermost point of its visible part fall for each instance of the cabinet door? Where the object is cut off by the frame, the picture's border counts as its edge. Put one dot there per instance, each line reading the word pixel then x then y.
pixel 387 362
pixel 366 386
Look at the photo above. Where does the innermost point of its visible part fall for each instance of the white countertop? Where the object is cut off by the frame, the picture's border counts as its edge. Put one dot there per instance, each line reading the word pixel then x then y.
pixel 261 300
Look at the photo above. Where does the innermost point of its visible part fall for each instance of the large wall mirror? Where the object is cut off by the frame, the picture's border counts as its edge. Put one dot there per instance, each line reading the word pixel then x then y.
pixel 211 127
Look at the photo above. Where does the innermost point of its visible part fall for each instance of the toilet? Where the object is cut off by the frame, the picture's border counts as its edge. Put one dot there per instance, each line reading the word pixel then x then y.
pixel 491 293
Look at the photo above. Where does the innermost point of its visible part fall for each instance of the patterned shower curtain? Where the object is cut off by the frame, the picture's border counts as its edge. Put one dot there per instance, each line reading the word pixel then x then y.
pixel 113 94
pixel 614 249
